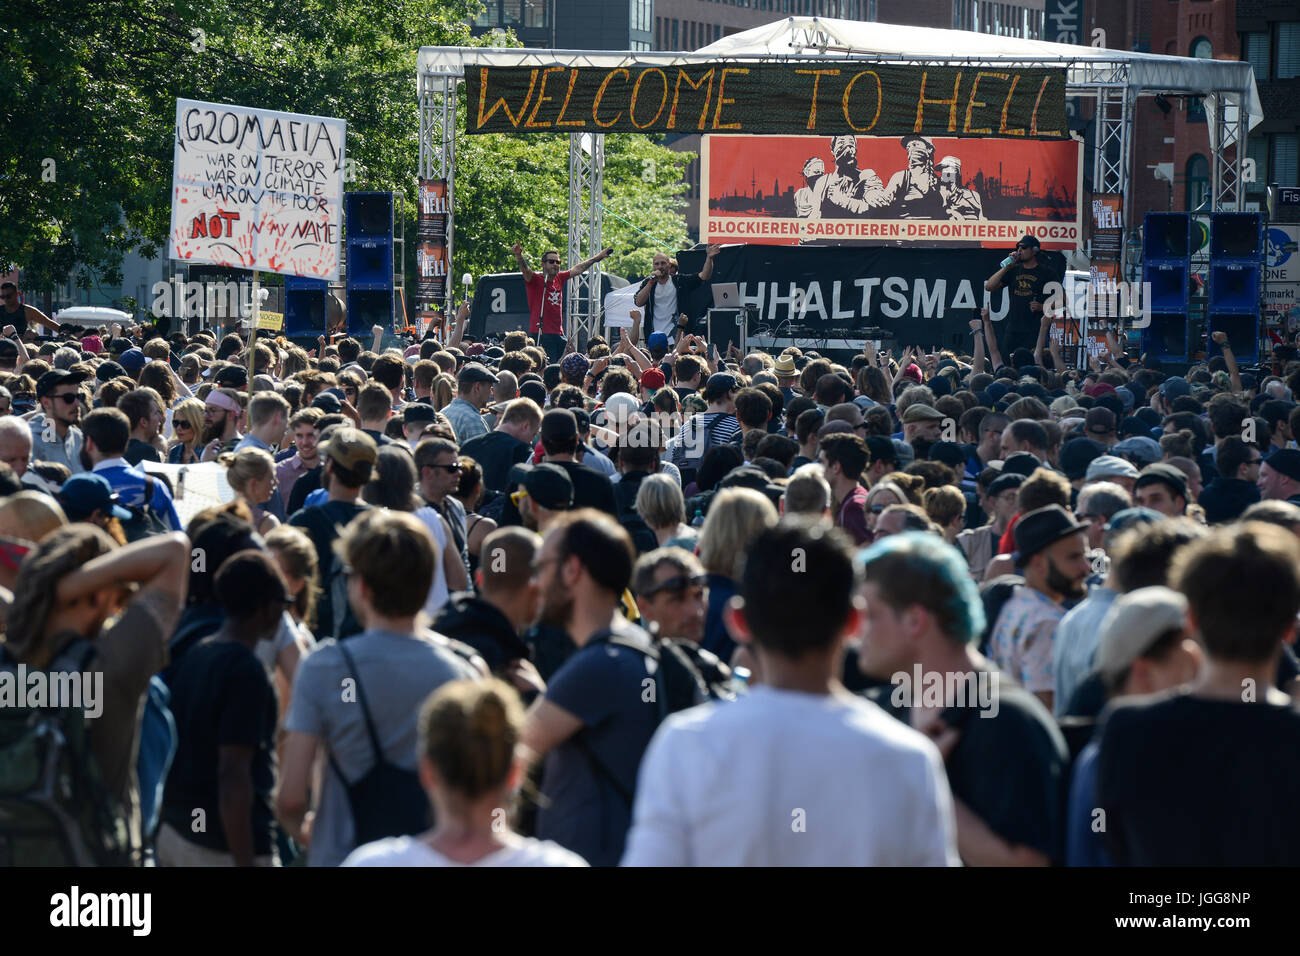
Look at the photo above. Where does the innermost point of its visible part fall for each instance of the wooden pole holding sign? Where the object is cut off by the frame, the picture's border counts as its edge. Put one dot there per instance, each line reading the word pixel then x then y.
pixel 252 330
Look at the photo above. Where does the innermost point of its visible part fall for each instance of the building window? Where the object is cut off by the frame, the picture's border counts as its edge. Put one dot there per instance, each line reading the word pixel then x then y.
pixel 1198 181
pixel 1288 51
pixel 1254 50
pixel 1285 159
pixel 1257 150
pixel 1202 49
pixel 674 37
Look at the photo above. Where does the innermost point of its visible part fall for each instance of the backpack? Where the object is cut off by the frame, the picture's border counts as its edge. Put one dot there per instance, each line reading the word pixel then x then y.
pixel 144 520
pixel 680 683
pixel 386 801
pixel 689 465
pixel 55 809
pixel 342 621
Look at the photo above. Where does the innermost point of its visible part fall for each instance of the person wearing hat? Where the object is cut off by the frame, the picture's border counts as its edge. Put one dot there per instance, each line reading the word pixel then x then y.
pixel 848 190
pixel 1144 649
pixel 546 297
pixel 473 392
pixel 223 411
pixel 348 456
pixel 652 379
pixel 913 193
pixel 1026 280
pixel 1099 425
pixel 1075 457
pixel 1279 476
pixel 921 421
pixel 1111 468
pixel 133 360
pixel 1052 553
pixel 787 376
pixel 89 497
pixel 1000 503
pixel 715 426
pixel 416 416
pixel 1163 488
pixel 55 435
pixel 804 205
pixel 1140 450
pixel 959 201
pixel 542 492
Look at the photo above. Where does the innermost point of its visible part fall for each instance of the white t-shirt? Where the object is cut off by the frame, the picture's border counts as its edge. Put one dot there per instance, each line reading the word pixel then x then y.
pixel 780 778
pixel 438 593
pixel 411 851
pixel 665 317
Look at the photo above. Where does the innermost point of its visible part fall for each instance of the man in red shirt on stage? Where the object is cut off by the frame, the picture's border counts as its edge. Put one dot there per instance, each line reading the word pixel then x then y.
pixel 546 296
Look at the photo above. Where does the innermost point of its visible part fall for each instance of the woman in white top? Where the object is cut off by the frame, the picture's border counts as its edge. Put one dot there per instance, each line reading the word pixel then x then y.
pixel 469 768
pixel 251 473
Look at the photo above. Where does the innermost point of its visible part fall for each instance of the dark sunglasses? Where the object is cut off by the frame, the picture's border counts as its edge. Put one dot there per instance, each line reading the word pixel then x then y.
pixel 180 423
pixel 69 397
pixel 451 469
pixel 550 262
pixel 678 584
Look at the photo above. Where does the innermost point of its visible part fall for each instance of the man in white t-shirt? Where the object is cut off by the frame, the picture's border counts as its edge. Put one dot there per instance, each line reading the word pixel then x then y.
pixel 662 296
pixel 799 772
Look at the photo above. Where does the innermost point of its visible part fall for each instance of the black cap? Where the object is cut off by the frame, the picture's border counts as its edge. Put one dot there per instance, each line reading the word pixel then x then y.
pixel 327 403
pixel 549 485
pixel 718 385
pixel 414 412
pixel 1077 454
pixel 109 370
pixel 1284 460
pixel 232 376
pixel 56 377
pixel 881 448
pixel 1021 463
pixel 1163 473
pixel 1043 528
pixel 474 372
pixel 1005 483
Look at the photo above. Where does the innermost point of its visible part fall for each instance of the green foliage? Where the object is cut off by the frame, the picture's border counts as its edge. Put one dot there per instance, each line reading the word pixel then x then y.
pixel 87 105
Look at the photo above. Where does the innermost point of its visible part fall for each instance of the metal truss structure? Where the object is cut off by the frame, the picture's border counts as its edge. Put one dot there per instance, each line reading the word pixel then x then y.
pixel 1114 79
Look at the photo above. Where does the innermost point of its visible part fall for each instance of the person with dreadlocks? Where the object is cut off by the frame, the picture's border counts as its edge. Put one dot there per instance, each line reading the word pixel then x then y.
pixel 77 584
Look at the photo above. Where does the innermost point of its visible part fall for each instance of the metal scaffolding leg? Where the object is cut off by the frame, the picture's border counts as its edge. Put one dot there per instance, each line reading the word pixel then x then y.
pixel 438 150
pixel 1230 134
pixel 1111 162
pixel 586 194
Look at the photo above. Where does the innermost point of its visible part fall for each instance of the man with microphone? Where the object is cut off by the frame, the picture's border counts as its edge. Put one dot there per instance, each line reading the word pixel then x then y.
pixel 1026 278
pixel 662 296
pixel 546 296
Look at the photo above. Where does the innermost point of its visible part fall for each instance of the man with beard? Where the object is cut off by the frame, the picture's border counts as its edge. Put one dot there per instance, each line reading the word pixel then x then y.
pixel 595 720
pixel 1052 553
pixel 813 171
pixel 848 190
pixel 221 414
pixel 55 435
pixel 913 193
pixel 959 201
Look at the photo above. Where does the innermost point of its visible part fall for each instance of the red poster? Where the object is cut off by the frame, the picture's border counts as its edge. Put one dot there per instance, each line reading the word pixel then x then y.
pixel 877 190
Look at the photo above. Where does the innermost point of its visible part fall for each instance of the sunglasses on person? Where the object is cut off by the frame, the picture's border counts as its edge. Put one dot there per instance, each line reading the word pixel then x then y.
pixel 677 584
pixel 69 397
pixel 518 497
pixel 551 262
pixel 452 469
pixel 179 424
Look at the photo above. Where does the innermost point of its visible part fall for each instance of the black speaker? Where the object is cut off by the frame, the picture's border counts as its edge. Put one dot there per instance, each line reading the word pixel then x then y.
pixel 368 308
pixel 370 263
pixel 1166 235
pixel 304 307
pixel 1166 336
pixel 1234 286
pixel 1243 335
pixel 1168 281
pixel 1236 235
pixel 370 215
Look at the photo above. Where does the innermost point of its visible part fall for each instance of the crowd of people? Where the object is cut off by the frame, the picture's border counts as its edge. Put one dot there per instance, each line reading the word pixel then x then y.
pixel 643 603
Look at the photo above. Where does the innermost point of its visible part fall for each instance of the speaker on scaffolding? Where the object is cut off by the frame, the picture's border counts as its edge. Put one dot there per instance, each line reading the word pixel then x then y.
pixel 369 280
pixel 1166 269
pixel 1236 268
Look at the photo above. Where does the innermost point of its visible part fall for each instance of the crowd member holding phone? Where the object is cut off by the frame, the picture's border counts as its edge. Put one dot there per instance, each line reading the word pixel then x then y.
pixel 1027 278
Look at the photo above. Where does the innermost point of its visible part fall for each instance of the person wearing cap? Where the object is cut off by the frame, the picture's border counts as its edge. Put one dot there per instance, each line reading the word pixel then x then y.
pixel 416 416
pixel 1140 450
pixel 1026 278
pixel 1001 502
pixel 89 497
pixel 715 426
pixel 960 202
pixel 1099 425
pixel 509 444
pixel 662 296
pixel 652 379
pixel 924 617
pixel 541 493
pixel 107 432
pixel 1111 468
pixel 222 413
pixel 349 456
pixel 1279 476
pixel 1163 488
pixel 473 392
pixel 1075 457
pixel 561 443
pixel 55 435
pixel 923 422
pixel 1052 552
pixel 847 191
pixel 913 192
pixel 1144 649
pixel 545 294
pixel 1172 770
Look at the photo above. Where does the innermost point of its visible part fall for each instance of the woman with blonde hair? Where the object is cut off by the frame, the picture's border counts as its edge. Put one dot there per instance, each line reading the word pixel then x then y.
pixel 881 496
pixel 251 474
pixel 737 516
pixel 470 768
pixel 443 391
pixel 187 426
pixel 946 507
pixel 660 504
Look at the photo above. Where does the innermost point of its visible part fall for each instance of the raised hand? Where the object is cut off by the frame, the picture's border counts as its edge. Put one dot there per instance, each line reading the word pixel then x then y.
pixel 517 249
pixel 1219 337
pixel 712 251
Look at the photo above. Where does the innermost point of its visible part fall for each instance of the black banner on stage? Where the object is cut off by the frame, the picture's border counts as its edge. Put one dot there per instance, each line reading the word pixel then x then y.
pixel 775 98
pixel 829 297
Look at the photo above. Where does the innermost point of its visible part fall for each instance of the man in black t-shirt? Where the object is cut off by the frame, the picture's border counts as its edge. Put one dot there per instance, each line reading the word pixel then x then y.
pixel 509 444
pixel 217 805
pixel 1027 279
pixel 1208 776
pixel 1005 758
